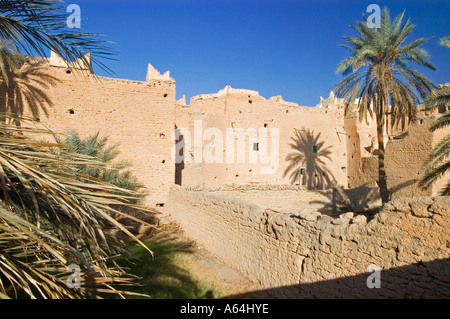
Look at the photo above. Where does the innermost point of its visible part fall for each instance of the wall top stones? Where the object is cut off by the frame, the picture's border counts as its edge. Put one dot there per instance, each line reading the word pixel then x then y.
pixel 228 91
pixel 154 74
pixel 306 254
pixel 56 61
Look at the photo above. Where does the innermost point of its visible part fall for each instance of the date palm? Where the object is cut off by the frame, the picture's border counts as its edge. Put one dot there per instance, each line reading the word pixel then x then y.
pixel 380 79
pixel 34 27
pixel 438 165
pixel 51 215
pixel 113 172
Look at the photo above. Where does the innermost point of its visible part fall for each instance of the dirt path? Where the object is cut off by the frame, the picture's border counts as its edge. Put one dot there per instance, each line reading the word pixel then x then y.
pixel 207 268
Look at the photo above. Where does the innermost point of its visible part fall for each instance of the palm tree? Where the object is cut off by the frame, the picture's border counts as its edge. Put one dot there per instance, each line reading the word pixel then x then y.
pixel 380 79
pixel 97 147
pixel 51 214
pixel 438 165
pixel 34 27
pixel 445 42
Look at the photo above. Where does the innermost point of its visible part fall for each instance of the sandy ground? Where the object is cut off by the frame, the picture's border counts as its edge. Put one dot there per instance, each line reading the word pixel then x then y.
pixel 209 269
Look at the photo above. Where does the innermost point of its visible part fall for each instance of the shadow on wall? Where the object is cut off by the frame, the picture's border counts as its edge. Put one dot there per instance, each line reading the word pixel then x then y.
pixel 307 162
pixel 362 200
pixel 25 87
pixel 365 199
pixel 397 188
pixel 416 281
pixel 179 167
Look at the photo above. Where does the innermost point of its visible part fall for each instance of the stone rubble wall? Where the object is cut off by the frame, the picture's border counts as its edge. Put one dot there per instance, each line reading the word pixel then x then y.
pixel 309 254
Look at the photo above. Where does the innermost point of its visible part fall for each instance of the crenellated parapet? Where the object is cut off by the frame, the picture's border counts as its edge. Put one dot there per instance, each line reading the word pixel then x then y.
pixel 80 64
pixel 154 75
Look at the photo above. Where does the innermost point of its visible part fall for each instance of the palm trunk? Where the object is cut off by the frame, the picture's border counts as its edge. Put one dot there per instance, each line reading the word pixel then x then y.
pixel 382 183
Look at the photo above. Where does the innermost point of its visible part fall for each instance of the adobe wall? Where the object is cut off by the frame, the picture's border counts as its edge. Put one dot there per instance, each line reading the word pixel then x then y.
pixel 300 129
pixel 138 115
pixel 142 116
pixel 406 156
pixel 311 255
pixel 362 150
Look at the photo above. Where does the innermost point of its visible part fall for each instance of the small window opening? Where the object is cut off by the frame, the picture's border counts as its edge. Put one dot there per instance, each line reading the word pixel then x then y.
pixel 71 111
pixel 256 146
pixel 302 171
pixel 165 95
pixel 315 149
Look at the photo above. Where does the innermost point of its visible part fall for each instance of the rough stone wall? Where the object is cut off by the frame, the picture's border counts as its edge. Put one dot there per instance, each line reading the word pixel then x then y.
pixel 361 149
pixel 138 115
pixel 407 149
pixel 308 254
pixel 406 156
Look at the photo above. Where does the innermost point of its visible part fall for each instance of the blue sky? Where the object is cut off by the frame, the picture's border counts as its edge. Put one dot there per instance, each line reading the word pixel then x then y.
pixel 276 47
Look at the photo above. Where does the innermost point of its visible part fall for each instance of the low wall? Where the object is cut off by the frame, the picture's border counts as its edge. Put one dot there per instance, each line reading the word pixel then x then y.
pixel 308 254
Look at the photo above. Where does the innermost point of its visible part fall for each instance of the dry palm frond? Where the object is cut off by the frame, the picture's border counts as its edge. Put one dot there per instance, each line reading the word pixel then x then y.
pixel 52 216
pixel 115 173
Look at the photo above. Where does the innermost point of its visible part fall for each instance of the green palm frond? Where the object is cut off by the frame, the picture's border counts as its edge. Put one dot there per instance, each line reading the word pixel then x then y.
pixel 35 26
pixel 379 76
pixel 441 122
pixel 434 175
pixel 438 164
pixel 51 216
pixel 438 99
pixel 385 57
pixel 440 153
pixel 445 42
pixel 115 173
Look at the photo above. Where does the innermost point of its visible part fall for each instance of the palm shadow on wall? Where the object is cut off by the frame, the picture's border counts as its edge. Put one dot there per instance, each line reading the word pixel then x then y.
pixel 179 163
pixel 308 161
pixel 22 89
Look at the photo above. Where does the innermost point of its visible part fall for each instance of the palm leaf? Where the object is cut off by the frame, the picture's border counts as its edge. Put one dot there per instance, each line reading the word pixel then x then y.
pixel 55 210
